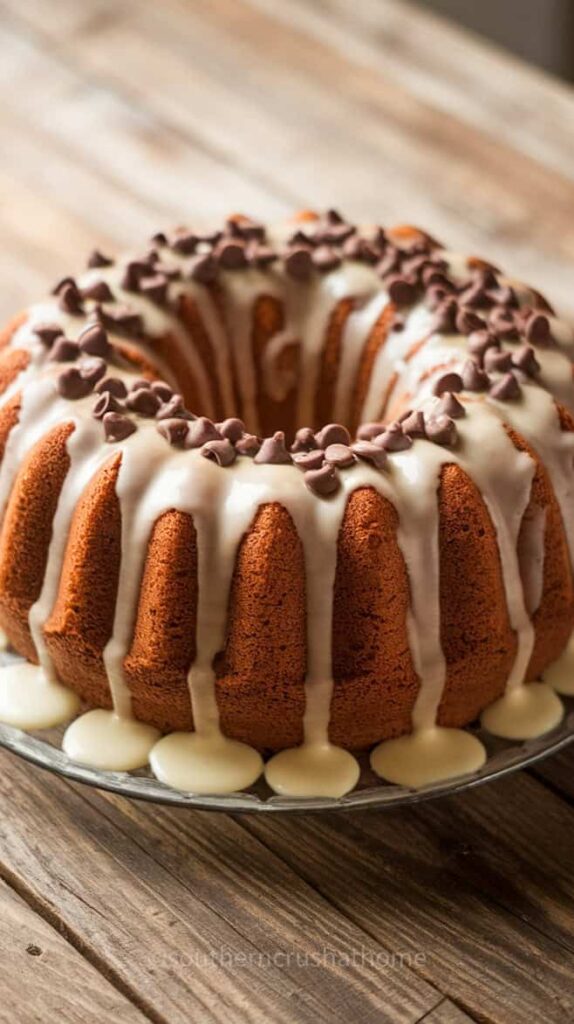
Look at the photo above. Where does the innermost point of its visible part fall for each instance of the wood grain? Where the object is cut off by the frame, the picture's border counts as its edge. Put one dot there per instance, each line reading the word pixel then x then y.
pixel 44 978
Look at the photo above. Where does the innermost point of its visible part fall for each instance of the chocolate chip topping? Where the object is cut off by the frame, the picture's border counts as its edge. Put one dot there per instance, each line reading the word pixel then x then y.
pixel 273 450
pixel 72 384
pixel 221 452
pixel 70 299
pixel 332 433
pixel 310 460
pixel 401 291
pixel 367 431
pixel 468 321
pixel 447 382
pixel 185 243
pixel 174 407
pixel 143 401
pixel 175 431
pixel 155 288
pixel 497 361
pixel 230 254
pixel 249 445
pixel 370 452
pixel 538 329
pixel 298 263
pixel 232 428
pixel 506 389
pixel 48 333
pixel 525 359
pixel 134 271
pixel 93 370
pixel 339 455
pixel 201 431
pixel 393 438
pixel 106 402
pixel 326 258
pixel 304 440
pixel 100 291
pixel 117 427
pixel 95 341
pixel 114 385
pixel 473 377
pixel 120 320
pixel 64 350
pixel 97 259
pixel 414 424
pixel 203 269
pixel 450 406
pixel 444 321
pixel 323 482
pixel 480 341
pixel 441 429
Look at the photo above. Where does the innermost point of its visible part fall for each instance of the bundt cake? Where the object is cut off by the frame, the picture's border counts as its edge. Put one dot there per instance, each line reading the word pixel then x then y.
pixel 292 492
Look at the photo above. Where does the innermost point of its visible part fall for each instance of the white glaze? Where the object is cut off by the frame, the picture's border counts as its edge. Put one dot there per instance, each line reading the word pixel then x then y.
pixel 29 701
pixel 104 740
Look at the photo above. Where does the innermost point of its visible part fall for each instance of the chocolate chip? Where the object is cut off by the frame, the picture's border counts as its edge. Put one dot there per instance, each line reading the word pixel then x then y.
pixel 441 429
pixel 502 322
pixel 100 291
pixel 538 329
pixel 480 341
pixel 261 255
pixel 298 263
pixel 231 254
pixel 525 359
pixel 232 428
pixel 506 388
pixel 159 239
pixel 414 424
pixel 114 385
pixel 201 431
pixel 475 296
pixel 143 401
pixel 473 377
pixel 97 259
pixel 203 268
pixel 162 390
pixel 447 382
pixel 357 248
pixel 370 452
pixel 185 243
pixel 393 438
pixel 70 299
pixel 93 370
pixel 367 431
pixel 72 385
pixel 64 350
pixel 48 333
pixel 175 431
pixel 173 407
pixel 304 440
pixel 273 450
pixel 246 228
pixel 134 271
pixel 401 291
pixel 155 288
pixel 309 460
pixel 221 452
pixel 332 433
pixel 117 427
pixel 506 296
pixel 325 258
pixel 445 317
pixel 468 321
pixel 322 482
pixel 249 444
pixel 106 403
pixel 339 455
pixel 390 262
pixel 95 341
pixel 450 406
pixel 121 320
pixel 497 361
pixel 436 295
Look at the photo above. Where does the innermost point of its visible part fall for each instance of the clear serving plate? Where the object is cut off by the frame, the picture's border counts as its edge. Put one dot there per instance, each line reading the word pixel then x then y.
pixel 44 750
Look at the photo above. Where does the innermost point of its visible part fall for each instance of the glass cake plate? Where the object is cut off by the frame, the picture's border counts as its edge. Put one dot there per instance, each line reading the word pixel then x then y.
pixel 44 750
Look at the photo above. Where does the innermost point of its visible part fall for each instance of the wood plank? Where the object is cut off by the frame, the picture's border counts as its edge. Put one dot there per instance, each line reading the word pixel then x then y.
pixel 44 978
pixel 193 914
pixel 558 773
pixel 480 884
pixel 446 1013
pixel 456 71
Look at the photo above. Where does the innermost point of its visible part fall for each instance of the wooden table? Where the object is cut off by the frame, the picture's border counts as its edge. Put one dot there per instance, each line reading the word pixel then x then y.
pixel 117 119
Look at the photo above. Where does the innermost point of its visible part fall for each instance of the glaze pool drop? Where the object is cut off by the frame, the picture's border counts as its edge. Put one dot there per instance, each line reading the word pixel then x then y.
pixel 104 740
pixel 428 755
pixel 29 700
pixel 524 713
pixel 207 765
pixel 313 770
